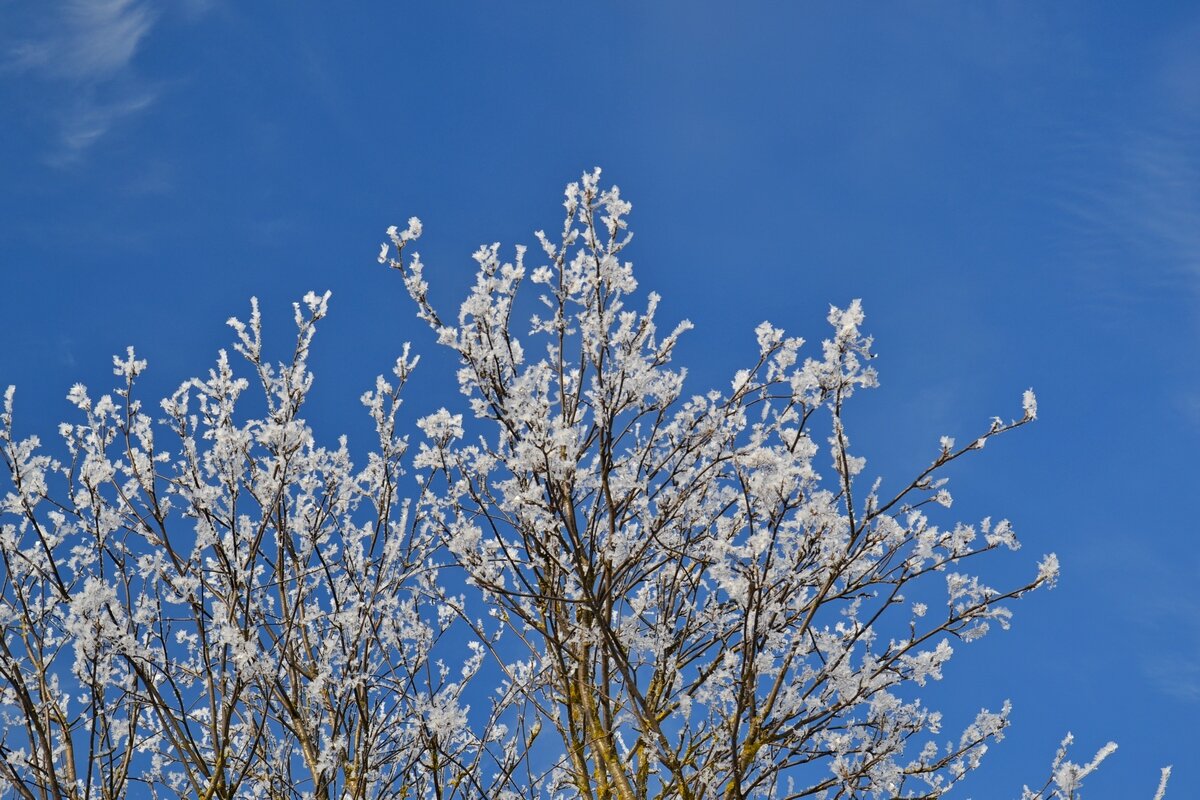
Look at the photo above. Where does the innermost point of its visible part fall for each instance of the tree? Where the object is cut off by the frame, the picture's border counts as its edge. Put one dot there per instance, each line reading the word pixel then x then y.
pixel 607 589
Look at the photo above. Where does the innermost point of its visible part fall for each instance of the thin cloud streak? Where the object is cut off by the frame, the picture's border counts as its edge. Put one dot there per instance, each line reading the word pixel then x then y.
pixel 89 47
pixel 91 120
pixel 1135 191
pixel 1156 208
pixel 94 40
pixel 1175 676
pixel 1142 207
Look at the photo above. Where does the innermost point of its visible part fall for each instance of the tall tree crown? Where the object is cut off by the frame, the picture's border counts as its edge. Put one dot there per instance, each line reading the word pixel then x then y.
pixel 599 585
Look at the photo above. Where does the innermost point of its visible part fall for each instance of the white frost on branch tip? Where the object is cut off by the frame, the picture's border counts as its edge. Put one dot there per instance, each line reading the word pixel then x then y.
pixel 1068 775
pixel 400 238
pixel 78 396
pixel 129 368
pixel 1162 783
pixel 768 337
pixel 1029 404
pixel 1048 570
pixel 441 426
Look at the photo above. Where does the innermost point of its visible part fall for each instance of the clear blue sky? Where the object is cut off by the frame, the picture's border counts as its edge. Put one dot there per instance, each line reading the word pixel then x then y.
pixel 1012 189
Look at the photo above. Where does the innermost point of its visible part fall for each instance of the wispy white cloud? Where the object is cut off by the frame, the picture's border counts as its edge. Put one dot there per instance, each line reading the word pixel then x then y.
pixel 93 40
pixel 1175 676
pixel 1158 606
pixel 1135 193
pixel 90 119
pixel 84 50
pixel 1173 665
pixel 1145 204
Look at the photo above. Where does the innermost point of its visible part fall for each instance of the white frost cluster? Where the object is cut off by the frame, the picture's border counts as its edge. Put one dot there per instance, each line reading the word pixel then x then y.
pixel 441 426
pixel 1029 404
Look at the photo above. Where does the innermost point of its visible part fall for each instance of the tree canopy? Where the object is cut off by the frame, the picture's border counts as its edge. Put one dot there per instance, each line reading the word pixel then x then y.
pixel 591 581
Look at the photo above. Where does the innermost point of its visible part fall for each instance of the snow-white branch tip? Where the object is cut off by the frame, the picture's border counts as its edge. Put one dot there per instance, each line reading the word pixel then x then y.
pixel 1164 777
pixel 1029 404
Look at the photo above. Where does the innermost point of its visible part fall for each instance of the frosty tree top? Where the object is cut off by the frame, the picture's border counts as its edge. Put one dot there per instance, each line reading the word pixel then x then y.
pixel 603 586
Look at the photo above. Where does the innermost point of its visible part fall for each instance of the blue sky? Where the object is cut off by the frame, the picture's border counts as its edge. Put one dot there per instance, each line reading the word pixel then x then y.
pixel 1012 189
